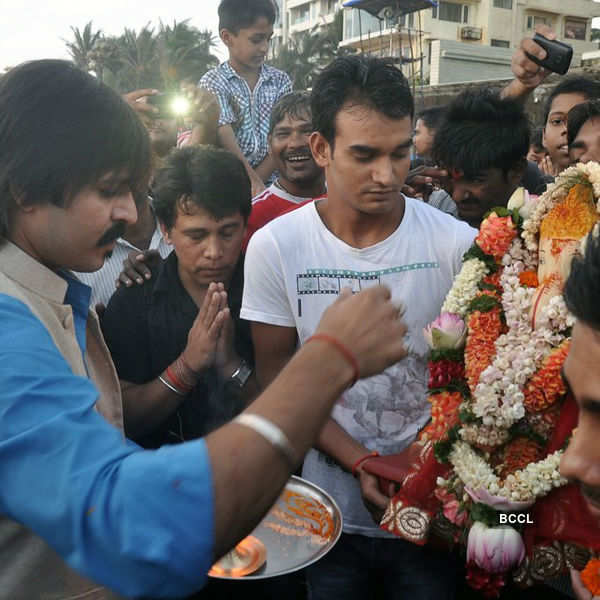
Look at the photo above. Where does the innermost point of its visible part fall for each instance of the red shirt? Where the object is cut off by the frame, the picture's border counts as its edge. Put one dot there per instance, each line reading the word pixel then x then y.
pixel 270 204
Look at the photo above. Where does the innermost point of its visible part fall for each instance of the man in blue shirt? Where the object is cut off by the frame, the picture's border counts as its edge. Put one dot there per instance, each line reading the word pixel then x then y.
pixel 78 500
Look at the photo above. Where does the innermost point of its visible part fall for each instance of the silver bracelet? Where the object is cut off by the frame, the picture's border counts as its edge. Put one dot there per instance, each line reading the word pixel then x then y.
pixel 171 387
pixel 270 432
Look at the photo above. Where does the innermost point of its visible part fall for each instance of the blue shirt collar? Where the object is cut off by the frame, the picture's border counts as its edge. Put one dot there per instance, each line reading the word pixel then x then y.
pixel 78 296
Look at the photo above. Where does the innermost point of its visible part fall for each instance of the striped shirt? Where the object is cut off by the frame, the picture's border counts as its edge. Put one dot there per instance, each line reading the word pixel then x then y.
pixel 103 281
pixel 248 112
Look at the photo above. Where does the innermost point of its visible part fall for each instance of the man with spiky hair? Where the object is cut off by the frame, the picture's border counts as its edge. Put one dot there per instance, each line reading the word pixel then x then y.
pixel 482 143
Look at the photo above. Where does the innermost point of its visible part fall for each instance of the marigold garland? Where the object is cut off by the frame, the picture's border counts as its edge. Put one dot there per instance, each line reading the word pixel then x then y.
pixel 510 406
pixel 591 576
pixel 547 385
pixel 445 407
pixel 529 279
pixel 517 454
pixel 496 235
pixel 484 330
pixel 494 279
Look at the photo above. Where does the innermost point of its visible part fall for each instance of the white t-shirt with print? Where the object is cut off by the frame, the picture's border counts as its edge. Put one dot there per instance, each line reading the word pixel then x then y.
pixel 295 268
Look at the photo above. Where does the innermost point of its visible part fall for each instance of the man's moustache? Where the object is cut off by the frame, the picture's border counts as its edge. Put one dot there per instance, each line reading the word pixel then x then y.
pixel 114 233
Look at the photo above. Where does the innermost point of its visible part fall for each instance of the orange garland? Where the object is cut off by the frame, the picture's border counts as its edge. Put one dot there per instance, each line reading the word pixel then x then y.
pixel 547 386
pixel 529 279
pixel 517 454
pixel 444 415
pixel 591 576
pixel 496 235
pixel 484 329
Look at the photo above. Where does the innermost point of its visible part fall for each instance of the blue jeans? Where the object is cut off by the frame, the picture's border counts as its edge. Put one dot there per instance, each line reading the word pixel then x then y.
pixel 360 568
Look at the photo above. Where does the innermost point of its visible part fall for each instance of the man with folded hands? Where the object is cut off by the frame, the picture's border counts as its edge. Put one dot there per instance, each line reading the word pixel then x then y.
pixel 84 510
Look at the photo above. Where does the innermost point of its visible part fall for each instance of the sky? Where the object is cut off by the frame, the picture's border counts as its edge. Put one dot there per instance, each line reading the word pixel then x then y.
pixel 35 29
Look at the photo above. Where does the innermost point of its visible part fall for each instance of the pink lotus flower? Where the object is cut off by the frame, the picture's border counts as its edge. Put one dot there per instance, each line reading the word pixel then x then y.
pixel 447 332
pixel 482 496
pixel 495 549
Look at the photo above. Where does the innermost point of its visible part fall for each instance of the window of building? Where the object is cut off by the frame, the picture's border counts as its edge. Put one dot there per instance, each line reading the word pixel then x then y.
pixel 434 12
pixel 300 14
pixel 500 43
pixel 575 29
pixel 465 14
pixel 448 11
pixel 278 16
pixel 533 21
pixel 331 6
pixel 503 4
pixel 357 21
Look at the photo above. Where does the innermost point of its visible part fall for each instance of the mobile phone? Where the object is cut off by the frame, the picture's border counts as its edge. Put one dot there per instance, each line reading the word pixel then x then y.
pixel 558 55
pixel 169 106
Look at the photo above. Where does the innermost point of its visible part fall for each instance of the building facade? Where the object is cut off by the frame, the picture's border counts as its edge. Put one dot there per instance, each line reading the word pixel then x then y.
pixel 296 16
pixel 466 38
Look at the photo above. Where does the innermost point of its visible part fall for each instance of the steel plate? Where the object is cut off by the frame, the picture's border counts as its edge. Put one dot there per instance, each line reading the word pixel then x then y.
pixel 301 527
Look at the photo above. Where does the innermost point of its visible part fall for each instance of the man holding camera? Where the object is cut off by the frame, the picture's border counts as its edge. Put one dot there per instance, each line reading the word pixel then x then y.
pixel 160 117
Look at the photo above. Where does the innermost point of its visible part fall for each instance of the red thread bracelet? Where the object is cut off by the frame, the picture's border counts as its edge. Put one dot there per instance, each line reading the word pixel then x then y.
pixel 175 381
pixel 362 460
pixel 347 354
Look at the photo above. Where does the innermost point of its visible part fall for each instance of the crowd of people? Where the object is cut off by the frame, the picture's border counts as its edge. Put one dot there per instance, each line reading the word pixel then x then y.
pixel 185 327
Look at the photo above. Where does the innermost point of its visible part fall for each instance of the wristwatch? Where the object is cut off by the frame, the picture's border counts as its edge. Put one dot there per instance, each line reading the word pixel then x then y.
pixel 241 375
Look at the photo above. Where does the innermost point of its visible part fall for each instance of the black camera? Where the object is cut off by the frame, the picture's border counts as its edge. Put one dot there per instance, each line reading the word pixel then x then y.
pixel 169 106
pixel 558 55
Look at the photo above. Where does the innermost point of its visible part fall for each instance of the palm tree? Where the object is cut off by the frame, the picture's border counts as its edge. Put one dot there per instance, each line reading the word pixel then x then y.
pixel 83 45
pixel 307 52
pixel 184 53
pixel 138 58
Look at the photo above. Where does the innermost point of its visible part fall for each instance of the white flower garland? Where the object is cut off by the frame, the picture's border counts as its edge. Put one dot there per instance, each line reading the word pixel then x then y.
pixel 498 397
pixel 534 481
pixel 465 287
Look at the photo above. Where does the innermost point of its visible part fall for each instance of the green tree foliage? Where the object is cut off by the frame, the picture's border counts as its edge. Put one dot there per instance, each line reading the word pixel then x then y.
pixel 82 45
pixel 307 52
pixel 147 58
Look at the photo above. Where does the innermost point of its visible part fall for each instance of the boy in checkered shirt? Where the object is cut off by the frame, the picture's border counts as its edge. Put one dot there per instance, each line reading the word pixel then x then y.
pixel 246 88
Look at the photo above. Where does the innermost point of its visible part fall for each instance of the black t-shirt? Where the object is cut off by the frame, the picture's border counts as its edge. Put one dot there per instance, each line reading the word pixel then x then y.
pixel 146 328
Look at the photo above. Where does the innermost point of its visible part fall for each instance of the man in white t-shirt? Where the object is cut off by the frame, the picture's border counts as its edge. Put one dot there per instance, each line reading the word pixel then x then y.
pixel 364 233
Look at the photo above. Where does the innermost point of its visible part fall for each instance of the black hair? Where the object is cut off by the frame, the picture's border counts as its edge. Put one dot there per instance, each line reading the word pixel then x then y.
pixel 578 115
pixel 582 289
pixel 537 139
pixel 574 84
pixel 482 131
pixel 294 104
pixel 432 117
pixel 205 176
pixel 60 130
pixel 372 82
pixel 241 14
